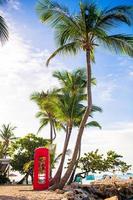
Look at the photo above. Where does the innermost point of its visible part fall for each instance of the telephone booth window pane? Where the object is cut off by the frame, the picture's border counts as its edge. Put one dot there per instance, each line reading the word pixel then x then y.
pixel 41 175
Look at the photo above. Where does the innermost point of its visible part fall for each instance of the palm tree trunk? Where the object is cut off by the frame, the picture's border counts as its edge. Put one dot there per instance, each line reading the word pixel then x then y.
pixel 54 131
pixel 26 179
pixel 54 182
pixel 74 170
pixel 5 151
pixel 82 124
pixel 31 177
pixel 51 132
pixel 72 164
pixel 51 140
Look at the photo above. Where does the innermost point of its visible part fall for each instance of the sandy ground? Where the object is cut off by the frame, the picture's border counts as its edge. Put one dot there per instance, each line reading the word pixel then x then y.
pixel 26 193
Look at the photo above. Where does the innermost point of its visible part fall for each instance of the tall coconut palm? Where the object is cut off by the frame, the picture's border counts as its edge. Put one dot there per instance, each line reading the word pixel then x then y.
pixel 86 30
pixel 7 136
pixel 3 28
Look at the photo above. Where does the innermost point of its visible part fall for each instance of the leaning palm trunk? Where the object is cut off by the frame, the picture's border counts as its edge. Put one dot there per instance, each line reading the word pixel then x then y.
pixel 72 164
pixel 81 128
pixel 5 149
pixel 58 174
pixel 52 130
pixel 74 170
pixel 51 133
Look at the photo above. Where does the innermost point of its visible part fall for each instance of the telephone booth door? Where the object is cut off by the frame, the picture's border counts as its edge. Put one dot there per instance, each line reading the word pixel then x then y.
pixel 41 169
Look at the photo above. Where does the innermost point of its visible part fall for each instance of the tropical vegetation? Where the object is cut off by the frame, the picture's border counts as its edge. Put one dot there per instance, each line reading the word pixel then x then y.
pixel 7 136
pixel 64 108
pixel 95 162
pixel 86 30
pixel 70 105
pixel 22 154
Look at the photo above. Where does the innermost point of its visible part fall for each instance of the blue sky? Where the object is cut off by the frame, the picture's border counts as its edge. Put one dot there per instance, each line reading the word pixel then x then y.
pixel 107 67
pixel 23 71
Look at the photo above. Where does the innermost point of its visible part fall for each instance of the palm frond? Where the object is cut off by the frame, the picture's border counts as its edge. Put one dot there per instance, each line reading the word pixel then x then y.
pixel 35 96
pixel 68 152
pixel 66 32
pixel 53 13
pixel 4 35
pixel 118 14
pixel 93 124
pixel 119 43
pixel 72 47
pixel 125 9
pixel 93 81
pixel 42 126
pixel 60 76
pixel 112 20
pixel 96 109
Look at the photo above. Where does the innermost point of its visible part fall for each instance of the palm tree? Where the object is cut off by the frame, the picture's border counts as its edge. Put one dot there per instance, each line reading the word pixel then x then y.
pixel 60 108
pixel 46 103
pixel 7 136
pixel 64 106
pixel 70 107
pixel 3 28
pixel 68 112
pixel 86 30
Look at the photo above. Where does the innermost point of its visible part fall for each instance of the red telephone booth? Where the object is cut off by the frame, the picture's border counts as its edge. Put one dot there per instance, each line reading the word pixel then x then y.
pixel 41 169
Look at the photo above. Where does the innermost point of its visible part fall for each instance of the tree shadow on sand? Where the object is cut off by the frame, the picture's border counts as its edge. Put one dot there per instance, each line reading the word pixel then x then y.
pixel 4 197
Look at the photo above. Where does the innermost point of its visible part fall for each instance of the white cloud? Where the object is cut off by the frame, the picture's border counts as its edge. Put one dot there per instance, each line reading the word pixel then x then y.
pixel 104 90
pixel 121 126
pixel 124 61
pixel 13 4
pixel 118 138
pixel 23 71
pixel 131 73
